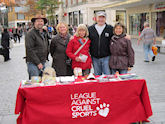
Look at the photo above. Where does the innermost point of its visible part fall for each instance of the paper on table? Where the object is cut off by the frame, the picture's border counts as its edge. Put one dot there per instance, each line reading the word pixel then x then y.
pixel 67 79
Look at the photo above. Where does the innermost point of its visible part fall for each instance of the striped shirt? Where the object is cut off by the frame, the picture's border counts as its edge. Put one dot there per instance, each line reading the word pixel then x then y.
pixel 148 35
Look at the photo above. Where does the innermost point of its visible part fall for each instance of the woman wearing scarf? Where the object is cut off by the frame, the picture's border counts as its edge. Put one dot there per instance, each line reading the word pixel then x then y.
pixel 58 51
pixel 82 58
pixel 122 53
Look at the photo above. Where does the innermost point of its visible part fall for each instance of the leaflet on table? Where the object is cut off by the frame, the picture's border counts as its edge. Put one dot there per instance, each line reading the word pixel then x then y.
pixel 48 81
pixel 80 79
pixel 129 77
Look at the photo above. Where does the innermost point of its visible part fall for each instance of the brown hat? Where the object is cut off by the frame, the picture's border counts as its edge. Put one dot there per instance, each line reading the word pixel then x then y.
pixel 39 16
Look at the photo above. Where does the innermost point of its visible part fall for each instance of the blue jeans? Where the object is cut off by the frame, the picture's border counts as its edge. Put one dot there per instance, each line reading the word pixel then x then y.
pixel 147 50
pixel 101 65
pixel 121 71
pixel 33 70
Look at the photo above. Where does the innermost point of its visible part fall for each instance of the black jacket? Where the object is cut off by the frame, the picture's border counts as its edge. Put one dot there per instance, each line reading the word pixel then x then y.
pixel 100 44
pixel 5 40
pixel 36 47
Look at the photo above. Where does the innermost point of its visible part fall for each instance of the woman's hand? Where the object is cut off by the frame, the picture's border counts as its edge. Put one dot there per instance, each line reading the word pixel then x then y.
pixel 78 59
pixel 129 68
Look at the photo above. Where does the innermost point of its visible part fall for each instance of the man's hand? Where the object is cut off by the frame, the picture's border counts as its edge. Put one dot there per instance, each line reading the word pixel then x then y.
pixel 40 66
pixel 78 59
pixel 128 37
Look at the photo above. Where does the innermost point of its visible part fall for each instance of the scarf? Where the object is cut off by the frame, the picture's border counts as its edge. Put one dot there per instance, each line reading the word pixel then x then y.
pixel 116 37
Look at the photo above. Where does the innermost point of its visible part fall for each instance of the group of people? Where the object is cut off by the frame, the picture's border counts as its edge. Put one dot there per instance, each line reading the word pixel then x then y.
pixel 16 34
pixel 7 35
pixel 105 47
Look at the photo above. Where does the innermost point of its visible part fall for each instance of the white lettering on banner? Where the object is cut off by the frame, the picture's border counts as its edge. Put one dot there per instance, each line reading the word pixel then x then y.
pixel 82 105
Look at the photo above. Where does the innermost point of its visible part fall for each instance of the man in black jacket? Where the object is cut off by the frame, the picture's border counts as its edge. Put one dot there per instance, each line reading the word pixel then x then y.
pixel 36 47
pixel 100 35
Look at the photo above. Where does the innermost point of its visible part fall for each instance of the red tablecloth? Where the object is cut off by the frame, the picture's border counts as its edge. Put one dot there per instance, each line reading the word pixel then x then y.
pixel 88 103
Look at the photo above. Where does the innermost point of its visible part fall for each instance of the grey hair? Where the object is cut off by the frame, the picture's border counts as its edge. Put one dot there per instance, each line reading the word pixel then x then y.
pixel 146 24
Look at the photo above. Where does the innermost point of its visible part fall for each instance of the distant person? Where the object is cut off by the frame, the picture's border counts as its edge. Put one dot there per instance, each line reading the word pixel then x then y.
pixel 50 30
pixel 80 38
pixel 149 38
pixel 122 53
pixel 71 30
pixel 58 46
pixel 5 44
pixel 45 30
pixel 55 31
pixel 36 45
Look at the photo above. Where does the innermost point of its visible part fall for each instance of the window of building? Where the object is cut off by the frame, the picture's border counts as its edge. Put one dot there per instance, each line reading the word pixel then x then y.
pixel 20 16
pixel 80 18
pixel 121 17
pixel 74 2
pixel 136 22
pixel 158 23
pixel 70 18
pixel 75 18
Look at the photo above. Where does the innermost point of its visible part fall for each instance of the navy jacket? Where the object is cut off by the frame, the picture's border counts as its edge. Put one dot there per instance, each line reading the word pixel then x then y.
pixel 100 44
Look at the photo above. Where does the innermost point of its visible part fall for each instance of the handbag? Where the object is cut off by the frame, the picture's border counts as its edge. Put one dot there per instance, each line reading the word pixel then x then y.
pixel 155 50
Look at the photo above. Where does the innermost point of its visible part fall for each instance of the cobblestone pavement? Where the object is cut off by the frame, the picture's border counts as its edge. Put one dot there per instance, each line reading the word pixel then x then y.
pixel 13 71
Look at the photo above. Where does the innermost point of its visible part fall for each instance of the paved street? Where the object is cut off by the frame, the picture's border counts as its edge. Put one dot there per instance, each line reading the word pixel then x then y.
pixel 13 71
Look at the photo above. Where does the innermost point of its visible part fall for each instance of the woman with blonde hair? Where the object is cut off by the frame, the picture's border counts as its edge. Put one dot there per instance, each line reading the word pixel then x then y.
pixel 78 50
pixel 58 51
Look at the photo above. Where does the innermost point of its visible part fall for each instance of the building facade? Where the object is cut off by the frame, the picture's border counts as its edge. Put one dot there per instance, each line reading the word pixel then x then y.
pixel 76 12
pixel 132 13
pixel 17 14
pixel 153 13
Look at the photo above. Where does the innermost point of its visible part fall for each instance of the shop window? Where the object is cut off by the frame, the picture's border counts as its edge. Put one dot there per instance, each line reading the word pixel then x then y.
pixel 136 22
pixel 80 18
pixel 75 18
pixel 20 16
pixel 121 17
pixel 158 23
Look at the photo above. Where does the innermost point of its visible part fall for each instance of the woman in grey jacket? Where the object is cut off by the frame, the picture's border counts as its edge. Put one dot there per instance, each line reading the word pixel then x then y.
pixel 58 51
pixel 122 53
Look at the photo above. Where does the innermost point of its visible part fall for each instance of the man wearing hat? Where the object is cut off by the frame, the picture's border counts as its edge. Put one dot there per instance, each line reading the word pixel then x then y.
pixel 100 35
pixel 36 43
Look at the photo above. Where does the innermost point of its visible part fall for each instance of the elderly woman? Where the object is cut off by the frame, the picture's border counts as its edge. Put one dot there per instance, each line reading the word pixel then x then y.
pixel 58 51
pixel 80 57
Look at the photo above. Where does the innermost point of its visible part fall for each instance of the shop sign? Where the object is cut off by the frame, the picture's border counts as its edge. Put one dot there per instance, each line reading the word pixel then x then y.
pixel 160 5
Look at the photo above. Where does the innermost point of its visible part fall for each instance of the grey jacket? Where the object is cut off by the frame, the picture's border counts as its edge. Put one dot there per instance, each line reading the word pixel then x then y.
pixel 36 47
pixel 58 52
pixel 122 53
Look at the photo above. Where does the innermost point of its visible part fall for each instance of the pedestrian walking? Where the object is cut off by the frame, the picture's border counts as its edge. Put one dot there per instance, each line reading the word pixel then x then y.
pixel 78 50
pixel 61 62
pixel 36 47
pixel 5 44
pixel 100 34
pixel 149 39
pixel 122 53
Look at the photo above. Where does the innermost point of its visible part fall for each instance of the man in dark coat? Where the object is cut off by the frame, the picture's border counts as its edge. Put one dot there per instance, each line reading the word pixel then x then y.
pixel 5 44
pixel 36 47
pixel 100 34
